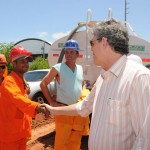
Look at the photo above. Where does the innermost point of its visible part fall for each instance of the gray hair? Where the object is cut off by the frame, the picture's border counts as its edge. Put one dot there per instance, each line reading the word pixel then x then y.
pixel 116 34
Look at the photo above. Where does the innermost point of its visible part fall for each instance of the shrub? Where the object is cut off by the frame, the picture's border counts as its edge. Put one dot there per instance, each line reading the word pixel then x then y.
pixel 39 63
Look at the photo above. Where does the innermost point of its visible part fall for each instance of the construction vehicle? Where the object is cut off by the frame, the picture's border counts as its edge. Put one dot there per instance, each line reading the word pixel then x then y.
pixel 138 46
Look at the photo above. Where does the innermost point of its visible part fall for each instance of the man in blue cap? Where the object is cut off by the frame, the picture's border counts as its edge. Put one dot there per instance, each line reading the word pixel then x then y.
pixel 69 77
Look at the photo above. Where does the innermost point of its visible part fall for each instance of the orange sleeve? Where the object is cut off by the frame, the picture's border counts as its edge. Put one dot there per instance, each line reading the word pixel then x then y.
pixel 15 95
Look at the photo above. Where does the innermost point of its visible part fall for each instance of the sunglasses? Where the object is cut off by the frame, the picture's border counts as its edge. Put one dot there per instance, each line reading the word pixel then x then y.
pixel 91 42
pixel 2 67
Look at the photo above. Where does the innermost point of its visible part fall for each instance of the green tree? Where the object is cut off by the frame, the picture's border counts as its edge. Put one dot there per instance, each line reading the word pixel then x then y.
pixel 39 63
pixel 5 49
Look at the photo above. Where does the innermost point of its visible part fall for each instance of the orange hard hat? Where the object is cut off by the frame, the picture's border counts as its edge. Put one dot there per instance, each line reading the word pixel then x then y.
pixel 19 52
pixel 3 59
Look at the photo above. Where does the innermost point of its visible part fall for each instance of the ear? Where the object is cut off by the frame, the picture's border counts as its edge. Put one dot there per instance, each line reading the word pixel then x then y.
pixel 104 41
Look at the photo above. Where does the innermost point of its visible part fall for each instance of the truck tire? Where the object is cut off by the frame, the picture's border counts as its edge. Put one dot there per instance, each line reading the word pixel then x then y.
pixel 39 97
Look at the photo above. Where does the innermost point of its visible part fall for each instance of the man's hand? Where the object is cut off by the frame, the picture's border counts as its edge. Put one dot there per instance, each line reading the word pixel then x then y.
pixel 41 108
pixel 49 108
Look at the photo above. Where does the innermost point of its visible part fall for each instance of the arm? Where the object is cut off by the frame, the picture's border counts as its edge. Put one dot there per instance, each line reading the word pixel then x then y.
pixel 82 108
pixel 140 112
pixel 65 110
pixel 44 84
pixel 13 96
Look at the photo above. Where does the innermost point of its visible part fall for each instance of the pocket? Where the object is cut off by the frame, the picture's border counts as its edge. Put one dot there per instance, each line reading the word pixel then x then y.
pixel 118 113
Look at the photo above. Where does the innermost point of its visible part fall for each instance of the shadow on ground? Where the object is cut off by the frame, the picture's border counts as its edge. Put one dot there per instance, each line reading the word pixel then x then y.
pixel 48 141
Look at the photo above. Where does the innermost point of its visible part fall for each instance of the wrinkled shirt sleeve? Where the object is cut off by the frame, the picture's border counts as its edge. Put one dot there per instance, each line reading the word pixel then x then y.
pixel 140 112
pixel 85 107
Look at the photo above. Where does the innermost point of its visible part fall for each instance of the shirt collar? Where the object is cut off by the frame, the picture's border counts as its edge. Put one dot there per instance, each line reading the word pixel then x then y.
pixel 116 68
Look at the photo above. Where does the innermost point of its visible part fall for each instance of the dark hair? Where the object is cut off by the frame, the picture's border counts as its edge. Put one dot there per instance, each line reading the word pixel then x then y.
pixel 116 34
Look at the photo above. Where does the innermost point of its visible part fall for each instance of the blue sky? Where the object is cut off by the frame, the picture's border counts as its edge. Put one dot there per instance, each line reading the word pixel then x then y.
pixel 51 19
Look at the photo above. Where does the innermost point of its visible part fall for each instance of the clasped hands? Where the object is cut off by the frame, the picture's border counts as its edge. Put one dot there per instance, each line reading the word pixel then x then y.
pixel 45 109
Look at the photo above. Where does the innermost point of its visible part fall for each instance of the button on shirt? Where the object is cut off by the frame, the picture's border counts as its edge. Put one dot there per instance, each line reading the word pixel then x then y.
pixel 119 103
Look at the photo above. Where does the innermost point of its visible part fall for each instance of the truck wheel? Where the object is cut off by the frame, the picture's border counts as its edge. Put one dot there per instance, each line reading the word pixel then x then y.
pixel 39 97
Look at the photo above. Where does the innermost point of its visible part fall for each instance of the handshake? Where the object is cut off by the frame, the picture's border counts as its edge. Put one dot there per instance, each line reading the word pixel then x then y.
pixel 45 109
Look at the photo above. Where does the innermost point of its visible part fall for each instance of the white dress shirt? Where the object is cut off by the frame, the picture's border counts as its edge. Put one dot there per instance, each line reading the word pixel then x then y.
pixel 120 106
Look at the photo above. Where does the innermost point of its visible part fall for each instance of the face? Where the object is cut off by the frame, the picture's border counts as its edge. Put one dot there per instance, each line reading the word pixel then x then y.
pixel 21 66
pixel 2 69
pixel 99 51
pixel 71 55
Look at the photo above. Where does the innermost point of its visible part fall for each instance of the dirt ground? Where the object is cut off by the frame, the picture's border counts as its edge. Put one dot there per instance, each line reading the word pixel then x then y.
pixel 43 135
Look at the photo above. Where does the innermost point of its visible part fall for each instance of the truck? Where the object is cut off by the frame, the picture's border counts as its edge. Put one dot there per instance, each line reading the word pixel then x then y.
pixel 81 33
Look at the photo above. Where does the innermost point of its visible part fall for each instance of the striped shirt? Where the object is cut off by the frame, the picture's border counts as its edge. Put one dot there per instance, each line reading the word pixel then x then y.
pixel 120 106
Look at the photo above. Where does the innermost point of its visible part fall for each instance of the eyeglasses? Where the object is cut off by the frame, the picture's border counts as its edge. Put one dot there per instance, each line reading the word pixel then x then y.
pixel 91 42
pixel 2 67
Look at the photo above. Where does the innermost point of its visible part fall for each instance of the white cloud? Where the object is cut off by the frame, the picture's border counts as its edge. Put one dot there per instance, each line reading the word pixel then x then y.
pixel 55 36
pixel 41 34
pixel 59 35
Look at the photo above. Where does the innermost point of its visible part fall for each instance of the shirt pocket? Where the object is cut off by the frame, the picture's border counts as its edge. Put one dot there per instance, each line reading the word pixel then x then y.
pixel 118 113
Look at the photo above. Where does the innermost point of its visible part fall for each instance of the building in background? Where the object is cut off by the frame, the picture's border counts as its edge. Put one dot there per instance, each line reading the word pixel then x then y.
pixel 38 47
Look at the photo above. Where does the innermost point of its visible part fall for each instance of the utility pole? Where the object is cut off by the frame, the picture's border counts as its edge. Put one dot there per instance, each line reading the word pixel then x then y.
pixel 43 49
pixel 125 10
pixel 125 18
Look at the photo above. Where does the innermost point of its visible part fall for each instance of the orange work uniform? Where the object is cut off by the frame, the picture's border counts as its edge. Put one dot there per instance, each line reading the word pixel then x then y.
pixel 70 129
pixel 16 112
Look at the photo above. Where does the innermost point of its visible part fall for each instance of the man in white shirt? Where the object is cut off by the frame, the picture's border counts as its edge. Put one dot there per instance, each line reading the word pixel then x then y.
pixel 120 98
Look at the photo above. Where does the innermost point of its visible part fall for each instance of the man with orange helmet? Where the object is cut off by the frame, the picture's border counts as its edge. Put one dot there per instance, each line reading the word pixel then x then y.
pixel 3 68
pixel 16 110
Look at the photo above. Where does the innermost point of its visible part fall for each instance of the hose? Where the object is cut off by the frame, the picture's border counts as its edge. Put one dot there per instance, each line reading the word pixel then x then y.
pixel 81 24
